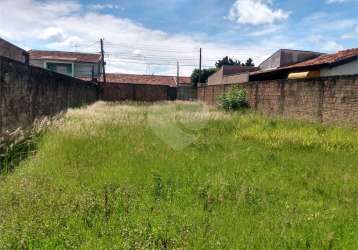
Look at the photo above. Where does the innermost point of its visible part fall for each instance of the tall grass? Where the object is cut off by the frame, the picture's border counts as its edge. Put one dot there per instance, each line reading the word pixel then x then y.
pixel 104 179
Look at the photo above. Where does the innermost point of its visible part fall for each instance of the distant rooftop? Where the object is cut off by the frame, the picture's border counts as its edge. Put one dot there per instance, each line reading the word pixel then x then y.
pixel 64 56
pixel 146 79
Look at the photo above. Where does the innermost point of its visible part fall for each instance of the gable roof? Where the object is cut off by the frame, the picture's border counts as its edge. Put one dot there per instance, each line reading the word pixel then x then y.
pixel 64 56
pixel 146 79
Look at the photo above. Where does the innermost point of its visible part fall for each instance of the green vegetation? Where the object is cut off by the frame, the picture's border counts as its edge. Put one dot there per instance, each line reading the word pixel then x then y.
pixel 232 62
pixel 102 179
pixel 205 74
pixel 234 99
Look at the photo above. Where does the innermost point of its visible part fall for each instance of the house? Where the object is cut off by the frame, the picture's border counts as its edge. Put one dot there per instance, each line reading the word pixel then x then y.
pixel 170 81
pixel 341 63
pixel 231 74
pixel 85 66
pixel 11 51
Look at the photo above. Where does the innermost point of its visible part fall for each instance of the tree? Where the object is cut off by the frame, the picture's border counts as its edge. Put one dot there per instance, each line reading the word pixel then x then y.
pixel 205 74
pixel 226 61
pixel 249 63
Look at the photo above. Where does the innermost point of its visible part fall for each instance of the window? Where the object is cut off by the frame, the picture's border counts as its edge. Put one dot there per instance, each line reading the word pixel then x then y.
pixel 62 68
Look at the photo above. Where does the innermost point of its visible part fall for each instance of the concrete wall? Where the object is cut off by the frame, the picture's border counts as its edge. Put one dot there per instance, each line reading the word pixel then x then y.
pixel 289 57
pixel 11 51
pixel 28 93
pixel 80 69
pixel 345 69
pixel 219 78
pixel 285 57
pixel 327 100
pixel 216 78
pixel 237 78
pixel 134 92
pixel 272 62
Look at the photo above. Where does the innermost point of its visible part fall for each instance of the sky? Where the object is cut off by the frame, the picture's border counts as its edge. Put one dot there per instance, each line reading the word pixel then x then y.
pixel 151 36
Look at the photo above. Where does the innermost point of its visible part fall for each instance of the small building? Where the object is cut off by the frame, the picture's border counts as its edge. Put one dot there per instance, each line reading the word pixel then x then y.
pixel 286 57
pixel 341 63
pixel 11 51
pixel 231 74
pixel 85 66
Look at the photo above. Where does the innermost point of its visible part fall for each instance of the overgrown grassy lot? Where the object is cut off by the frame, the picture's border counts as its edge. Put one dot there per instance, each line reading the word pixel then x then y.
pixel 172 176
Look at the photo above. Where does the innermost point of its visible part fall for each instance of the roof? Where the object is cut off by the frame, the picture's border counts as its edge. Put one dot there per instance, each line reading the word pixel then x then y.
pixel 64 56
pixel 327 60
pixel 330 59
pixel 146 79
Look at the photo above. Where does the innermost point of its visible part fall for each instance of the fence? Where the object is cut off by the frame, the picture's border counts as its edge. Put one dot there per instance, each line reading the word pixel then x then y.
pixel 28 92
pixel 12 51
pixel 136 92
pixel 327 100
pixel 187 93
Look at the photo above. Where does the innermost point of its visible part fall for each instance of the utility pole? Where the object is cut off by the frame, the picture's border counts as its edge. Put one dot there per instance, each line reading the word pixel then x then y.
pixel 103 63
pixel 200 67
pixel 178 77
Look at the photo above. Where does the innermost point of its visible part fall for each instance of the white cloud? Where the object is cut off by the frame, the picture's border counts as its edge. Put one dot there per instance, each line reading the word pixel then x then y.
pixel 339 1
pixel 66 26
pixel 256 12
pixel 351 35
pixel 329 46
pixel 266 30
pixel 106 6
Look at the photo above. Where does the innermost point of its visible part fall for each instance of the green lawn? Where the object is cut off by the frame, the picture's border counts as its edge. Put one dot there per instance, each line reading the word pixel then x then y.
pixel 175 176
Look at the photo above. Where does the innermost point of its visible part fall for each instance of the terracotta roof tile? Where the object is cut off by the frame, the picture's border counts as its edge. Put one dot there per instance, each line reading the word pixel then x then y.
pixel 321 61
pixel 328 59
pixel 65 56
pixel 146 79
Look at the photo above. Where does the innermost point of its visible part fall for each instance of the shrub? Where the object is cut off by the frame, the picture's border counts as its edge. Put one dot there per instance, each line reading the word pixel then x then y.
pixel 234 99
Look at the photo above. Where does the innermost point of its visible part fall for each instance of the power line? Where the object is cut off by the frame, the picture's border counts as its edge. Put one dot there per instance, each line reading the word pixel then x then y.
pixel 155 63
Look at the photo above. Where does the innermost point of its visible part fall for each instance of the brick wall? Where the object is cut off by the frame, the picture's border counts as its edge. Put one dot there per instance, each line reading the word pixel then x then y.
pixel 28 92
pixel 11 51
pixel 327 100
pixel 134 92
pixel 187 93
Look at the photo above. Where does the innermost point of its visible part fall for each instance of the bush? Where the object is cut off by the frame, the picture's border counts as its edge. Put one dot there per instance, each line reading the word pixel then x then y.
pixel 234 99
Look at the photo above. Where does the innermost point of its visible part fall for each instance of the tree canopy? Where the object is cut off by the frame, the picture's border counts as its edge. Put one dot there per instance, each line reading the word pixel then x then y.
pixel 205 74
pixel 229 61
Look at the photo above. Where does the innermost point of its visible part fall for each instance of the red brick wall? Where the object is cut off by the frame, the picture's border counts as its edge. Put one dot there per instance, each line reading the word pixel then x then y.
pixel 328 100
pixel 133 92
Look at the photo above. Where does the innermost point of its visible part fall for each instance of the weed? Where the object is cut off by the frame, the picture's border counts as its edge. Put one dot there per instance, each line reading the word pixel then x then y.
pixel 102 179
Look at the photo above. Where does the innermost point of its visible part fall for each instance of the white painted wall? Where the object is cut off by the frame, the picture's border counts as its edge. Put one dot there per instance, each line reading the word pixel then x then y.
pixel 345 69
